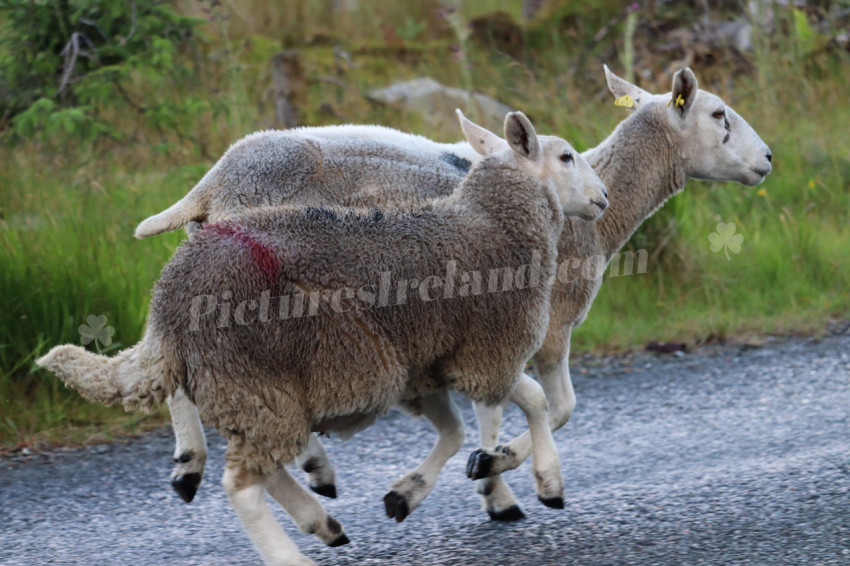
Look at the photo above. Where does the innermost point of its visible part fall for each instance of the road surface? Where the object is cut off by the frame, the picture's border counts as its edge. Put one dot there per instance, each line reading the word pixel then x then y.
pixel 723 456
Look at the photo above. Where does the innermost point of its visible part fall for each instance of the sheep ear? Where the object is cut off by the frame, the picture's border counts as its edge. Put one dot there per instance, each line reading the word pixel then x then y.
pixel 685 89
pixel 521 136
pixel 625 93
pixel 483 141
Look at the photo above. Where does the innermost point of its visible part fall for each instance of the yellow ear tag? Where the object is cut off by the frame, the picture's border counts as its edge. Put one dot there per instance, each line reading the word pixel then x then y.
pixel 625 101
pixel 679 101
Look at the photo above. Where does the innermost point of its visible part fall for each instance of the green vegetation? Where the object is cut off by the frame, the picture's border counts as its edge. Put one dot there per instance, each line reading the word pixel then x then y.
pixel 79 171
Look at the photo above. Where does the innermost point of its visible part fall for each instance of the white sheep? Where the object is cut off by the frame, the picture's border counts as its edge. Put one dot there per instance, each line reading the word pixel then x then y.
pixel 668 138
pixel 321 349
pixel 316 166
pixel 687 133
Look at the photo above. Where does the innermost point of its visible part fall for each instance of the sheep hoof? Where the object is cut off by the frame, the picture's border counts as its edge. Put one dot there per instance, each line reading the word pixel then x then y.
pixel 327 490
pixel 396 506
pixel 339 541
pixel 553 502
pixel 186 486
pixel 512 513
pixel 479 465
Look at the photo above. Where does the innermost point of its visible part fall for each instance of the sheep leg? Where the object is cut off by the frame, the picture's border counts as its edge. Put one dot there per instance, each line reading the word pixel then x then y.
pixel 190 453
pixel 489 462
pixel 308 514
pixel 545 464
pixel 315 463
pixel 497 497
pixel 245 492
pixel 555 380
pixel 407 493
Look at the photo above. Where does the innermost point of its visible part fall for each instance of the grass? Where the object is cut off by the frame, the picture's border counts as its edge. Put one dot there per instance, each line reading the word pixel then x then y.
pixel 67 251
pixel 67 215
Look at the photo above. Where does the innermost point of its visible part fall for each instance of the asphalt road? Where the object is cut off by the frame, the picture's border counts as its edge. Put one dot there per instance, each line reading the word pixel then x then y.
pixel 724 456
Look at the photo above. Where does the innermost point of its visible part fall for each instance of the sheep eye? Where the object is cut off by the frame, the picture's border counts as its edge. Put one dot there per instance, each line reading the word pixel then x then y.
pixel 718 114
pixel 566 157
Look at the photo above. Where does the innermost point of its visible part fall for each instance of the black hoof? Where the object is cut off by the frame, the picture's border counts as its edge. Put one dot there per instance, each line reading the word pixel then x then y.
pixel 512 513
pixel 339 541
pixel 553 502
pixel 396 506
pixel 327 490
pixel 186 486
pixel 479 464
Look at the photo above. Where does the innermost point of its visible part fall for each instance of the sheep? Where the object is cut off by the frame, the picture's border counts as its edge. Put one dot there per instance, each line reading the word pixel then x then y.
pixel 348 165
pixel 687 133
pixel 646 159
pixel 336 355
pixel 357 166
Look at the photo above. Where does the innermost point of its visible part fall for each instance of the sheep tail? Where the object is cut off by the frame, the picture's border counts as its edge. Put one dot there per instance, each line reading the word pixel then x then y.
pixel 194 207
pixel 128 377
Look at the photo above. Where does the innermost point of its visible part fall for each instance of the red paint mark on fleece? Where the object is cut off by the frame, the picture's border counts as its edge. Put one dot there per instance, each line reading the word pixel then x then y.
pixel 262 254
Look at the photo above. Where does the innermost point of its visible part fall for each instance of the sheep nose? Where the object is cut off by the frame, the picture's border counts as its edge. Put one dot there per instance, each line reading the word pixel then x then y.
pixel 769 156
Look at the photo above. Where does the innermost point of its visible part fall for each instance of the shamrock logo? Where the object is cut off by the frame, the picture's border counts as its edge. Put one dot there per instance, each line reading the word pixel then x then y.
pixel 726 239
pixel 96 330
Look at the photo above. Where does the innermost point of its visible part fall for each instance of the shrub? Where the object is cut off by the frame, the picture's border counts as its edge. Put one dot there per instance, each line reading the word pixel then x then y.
pixel 72 66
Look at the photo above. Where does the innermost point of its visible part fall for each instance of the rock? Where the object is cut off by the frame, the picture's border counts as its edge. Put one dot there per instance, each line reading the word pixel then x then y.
pixel 436 104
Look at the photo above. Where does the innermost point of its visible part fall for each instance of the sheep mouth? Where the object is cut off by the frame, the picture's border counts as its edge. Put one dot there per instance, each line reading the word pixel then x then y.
pixel 601 204
pixel 760 172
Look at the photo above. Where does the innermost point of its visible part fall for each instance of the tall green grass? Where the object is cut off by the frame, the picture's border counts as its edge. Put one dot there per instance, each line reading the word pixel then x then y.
pixel 67 217
pixel 66 251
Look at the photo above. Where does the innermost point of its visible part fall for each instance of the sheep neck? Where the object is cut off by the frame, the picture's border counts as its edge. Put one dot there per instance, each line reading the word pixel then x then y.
pixel 505 194
pixel 642 168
